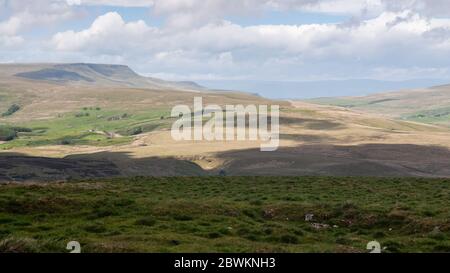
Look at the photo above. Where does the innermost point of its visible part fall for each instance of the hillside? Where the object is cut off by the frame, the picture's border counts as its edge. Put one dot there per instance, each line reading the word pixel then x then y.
pixel 430 105
pixel 293 89
pixel 97 125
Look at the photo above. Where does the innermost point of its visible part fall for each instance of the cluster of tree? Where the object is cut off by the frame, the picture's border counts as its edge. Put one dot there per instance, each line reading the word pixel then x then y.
pixel 92 108
pixel 8 133
pixel 79 115
pixel 11 110
pixel 119 117
pixel 86 114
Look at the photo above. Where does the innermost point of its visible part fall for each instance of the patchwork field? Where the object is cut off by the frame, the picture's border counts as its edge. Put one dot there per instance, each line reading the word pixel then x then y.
pixel 233 214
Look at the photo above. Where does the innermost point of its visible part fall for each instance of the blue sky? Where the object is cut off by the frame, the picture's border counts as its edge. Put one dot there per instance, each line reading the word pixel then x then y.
pixel 287 17
pixel 239 40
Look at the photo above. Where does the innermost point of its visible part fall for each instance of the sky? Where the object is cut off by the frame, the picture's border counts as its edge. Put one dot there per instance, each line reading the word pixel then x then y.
pixel 254 40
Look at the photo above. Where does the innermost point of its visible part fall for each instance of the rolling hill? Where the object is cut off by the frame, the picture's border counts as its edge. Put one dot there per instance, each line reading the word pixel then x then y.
pixel 74 121
pixel 430 105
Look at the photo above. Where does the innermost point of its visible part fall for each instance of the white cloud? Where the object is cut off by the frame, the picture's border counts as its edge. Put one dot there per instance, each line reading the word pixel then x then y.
pixel 10 42
pixel 108 33
pixel 402 39
pixel 27 14
pixel 212 8
pixel 120 3
pixel 383 37
pixel 388 28
pixel 194 13
pixel 8 32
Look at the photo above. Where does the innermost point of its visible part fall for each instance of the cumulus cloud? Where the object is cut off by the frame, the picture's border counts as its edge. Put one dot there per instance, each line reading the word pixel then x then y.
pixel 224 7
pixel 108 33
pixel 382 37
pixel 120 3
pixel 403 38
pixel 29 14
pixel 312 39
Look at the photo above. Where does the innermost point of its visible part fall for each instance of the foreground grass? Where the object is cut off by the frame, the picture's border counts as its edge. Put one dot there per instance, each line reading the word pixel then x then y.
pixel 238 214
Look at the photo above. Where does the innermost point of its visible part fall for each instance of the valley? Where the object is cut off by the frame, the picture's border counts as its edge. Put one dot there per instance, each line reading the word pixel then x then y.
pixel 127 130
pixel 95 162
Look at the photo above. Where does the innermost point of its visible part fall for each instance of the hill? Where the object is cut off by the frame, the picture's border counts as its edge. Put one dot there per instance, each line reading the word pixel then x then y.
pixel 90 75
pixel 299 90
pixel 430 105
pixel 59 126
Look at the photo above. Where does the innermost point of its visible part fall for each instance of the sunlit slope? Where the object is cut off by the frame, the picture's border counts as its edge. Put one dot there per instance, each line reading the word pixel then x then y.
pixel 315 140
pixel 57 130
pixel 59 111
pixel 425 105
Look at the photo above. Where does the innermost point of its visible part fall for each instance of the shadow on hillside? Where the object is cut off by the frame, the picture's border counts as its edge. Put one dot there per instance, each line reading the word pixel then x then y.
pixel 19 167
pixel 327 160
pixel 335 160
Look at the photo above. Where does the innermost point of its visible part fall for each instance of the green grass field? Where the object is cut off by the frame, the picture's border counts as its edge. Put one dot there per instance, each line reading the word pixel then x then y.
pixel 341 102
pixel 89 126
pixel 227 214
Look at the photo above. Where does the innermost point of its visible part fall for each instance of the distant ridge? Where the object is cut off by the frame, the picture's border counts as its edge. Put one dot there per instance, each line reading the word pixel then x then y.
pixel 427 105
pixel 50 74
pixel 91 74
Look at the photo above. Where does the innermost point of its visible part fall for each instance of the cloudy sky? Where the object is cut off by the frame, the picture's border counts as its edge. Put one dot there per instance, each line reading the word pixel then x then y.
pixel 235 39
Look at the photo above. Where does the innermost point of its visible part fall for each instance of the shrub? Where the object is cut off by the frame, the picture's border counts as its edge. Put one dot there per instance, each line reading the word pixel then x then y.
pixel 7 133
pixel 136 131
pixel 22 129
pixel 66 142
